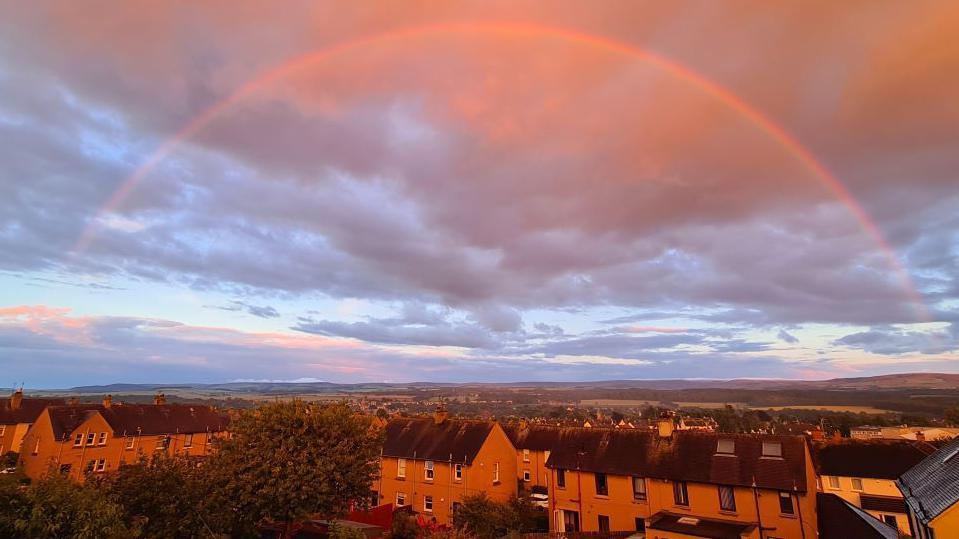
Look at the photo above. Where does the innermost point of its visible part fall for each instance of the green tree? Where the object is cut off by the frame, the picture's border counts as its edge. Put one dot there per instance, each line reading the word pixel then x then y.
pixel 288 460
pixel 404 526
pixel 167 495
pixel 480 516
pixel 57 507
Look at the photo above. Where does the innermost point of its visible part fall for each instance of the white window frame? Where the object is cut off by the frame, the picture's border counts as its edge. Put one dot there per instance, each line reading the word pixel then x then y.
pixel 496 472
pixel 833 482
pixel 100 466
pixel 131 441
pixel 639 494
pixel 526 455
pixel 773 450
pixel 855 480
pixel 725 446
pixel 78 440
pixel 102 440
pixel 3 429
pixel 428 472
pixel 428 504
pixel 400 499
pixel 458 472
pixel 188 440
pixel 91 438
pixel 401 468
pixel 526 476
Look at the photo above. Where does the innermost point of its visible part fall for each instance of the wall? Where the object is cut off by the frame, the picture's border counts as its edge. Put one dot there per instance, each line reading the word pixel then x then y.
pixel 878 487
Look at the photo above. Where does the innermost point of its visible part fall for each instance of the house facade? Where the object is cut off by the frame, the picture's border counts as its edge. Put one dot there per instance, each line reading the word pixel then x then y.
pixel 431 464
pixel 82 440
pixel 864 471
pixel 17 413
pixel 533 444
pixel 672 484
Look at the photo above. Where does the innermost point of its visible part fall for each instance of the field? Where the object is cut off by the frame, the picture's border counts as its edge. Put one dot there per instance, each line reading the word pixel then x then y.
pixel 830 408
pixel 633 403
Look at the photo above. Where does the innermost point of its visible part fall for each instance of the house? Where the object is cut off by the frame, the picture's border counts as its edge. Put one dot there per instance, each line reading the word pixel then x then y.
pixel 432 463
pixel 865 432
pixel 16 415
pixel 864 471
pixel 931 491
pixel 678 484
pixel 79 440
pixel 839 519
pixel 533 444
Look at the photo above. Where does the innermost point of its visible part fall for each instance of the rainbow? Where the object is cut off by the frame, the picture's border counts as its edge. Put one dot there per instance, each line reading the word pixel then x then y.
pixel 775 132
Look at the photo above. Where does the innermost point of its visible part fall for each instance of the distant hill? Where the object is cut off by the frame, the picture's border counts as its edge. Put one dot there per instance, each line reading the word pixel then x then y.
pixel 889 382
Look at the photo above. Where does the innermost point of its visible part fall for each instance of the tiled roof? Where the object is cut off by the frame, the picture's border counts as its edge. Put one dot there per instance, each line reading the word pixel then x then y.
pixel 533 437
pixel 686 456
pixel 422 438
pixel 699 527
pixel 839 519
pixel 874 459
pixel 28 411
pixel 145 419
pixel 932 486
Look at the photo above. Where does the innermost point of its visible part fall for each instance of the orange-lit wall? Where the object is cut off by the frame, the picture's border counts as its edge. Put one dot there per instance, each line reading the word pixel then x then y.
pixel 535 463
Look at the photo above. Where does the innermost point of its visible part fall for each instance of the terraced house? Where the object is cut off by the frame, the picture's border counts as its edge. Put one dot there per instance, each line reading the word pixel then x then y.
pixel 80 440
pixel 16 415
pixel 430 464
pixel 682 484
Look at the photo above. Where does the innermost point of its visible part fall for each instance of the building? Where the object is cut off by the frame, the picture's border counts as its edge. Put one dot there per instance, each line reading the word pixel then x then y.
pixel 931 491
pixel 533 444
pixel 16 415
pixel 432 463
pixel 864 472
pixel 80 440
pixel 839 519
pixel 865 432
pixel 682 484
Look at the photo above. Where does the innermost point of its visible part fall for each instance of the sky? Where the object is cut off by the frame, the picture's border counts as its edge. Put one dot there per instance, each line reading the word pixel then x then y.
pixel 477 191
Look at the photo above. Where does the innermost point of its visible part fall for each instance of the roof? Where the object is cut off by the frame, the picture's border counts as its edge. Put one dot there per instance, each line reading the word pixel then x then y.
pixel 884 504
pixel 699 527
pixel 932 486
pixel 533 437
pixel 686 456
pixel 144 419
pixel 422 438
pixel 28 411
pixel 839 519
pixel 874 459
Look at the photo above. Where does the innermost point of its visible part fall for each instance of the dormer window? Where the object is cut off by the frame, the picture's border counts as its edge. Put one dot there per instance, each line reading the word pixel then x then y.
pixel 773 449
pixel 726 447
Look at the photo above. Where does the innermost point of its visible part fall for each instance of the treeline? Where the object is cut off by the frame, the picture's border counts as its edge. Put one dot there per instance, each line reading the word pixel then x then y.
pixel 282 463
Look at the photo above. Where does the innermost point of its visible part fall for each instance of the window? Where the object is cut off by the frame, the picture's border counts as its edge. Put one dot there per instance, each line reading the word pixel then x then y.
pixel 726 447
pixel 90 466
pixel 639 488
pixel 785 503
pixel 3 429
pixel 857 484
pixel 428 470
pixel 428 504
pixel 130 441
pixel 103 439
pixel 188 440
pixel 602 487
pixel 680 494
pixel 101 465
pixel 91 436
pixel 526 475
pixel 640 524
pixel 833 482
pixel 525 454
pixel 891 521
pixel 400 499
pixel 495 472
pixel 458 471
pixel 36 446
pixel 772 449
pixel 603 523
pixel 727 498
pixel 162 442
pixel 401 468
pixel 78 440
pixel 560 478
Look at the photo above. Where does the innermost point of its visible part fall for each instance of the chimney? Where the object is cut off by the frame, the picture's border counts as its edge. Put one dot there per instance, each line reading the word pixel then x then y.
pixel 16 399
pixel 920 436
pixel 523 424
pixel 159 399
pixel 817 434
pixel 108 401
pixel 665 426
pixel 440 415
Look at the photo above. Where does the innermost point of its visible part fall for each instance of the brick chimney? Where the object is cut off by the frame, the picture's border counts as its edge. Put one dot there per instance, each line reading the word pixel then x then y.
pixel 108 401
pixel 159 399
pixel 440 415
pixel 920 436
pixel 16 400
pixel 665 426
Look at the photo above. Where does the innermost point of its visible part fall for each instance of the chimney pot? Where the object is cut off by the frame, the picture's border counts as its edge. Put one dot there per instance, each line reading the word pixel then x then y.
pixel 159 399
pixel 920 436
pixel 108 401
pixel 16 400
pixel 440 415
pixel 665 426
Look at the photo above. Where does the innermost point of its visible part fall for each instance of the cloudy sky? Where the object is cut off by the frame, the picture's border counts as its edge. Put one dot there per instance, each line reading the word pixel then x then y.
pixel 397 191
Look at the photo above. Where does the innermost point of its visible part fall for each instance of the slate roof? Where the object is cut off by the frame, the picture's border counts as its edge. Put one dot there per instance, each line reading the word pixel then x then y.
pixel 28 412
pixel 686 456
pixel 839 519
pixel 932 486
pixel 874 459
pixel 533 437
pixel 145 419
pixel 422 438
pixel 705 527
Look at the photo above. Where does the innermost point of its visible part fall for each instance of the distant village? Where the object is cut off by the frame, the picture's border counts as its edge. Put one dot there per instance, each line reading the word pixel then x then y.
pixel 654 473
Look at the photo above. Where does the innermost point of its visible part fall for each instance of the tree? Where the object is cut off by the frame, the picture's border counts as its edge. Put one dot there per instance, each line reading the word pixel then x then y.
pixel 168 495
pixel 404 526
pixel 285 461
pixel 952 415
pixel 480 516
pixel 57 507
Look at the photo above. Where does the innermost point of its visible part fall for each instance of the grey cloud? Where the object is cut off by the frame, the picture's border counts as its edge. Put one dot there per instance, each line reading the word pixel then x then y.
pixel 893 341
pixel 785 336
